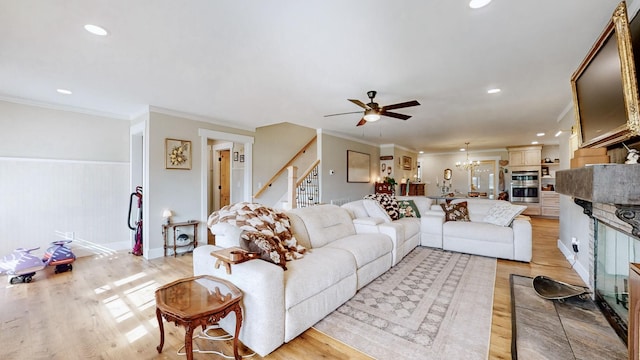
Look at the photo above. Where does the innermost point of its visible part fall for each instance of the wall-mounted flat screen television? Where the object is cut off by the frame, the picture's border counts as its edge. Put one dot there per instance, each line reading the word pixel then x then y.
pixel 605 88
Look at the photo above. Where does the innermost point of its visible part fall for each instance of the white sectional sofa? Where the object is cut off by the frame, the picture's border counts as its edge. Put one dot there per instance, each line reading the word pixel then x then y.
pixel 479 237
pixel 278 304
pixel 512 241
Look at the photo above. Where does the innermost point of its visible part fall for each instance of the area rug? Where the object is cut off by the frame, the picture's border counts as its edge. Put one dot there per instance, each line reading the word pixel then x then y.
pixel 433 305
pixel 550 329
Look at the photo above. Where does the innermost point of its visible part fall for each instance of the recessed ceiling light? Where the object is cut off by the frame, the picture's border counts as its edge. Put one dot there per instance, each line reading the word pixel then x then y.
pixel 462 149
pixel 476 4
pixel 421 152
pixel 64 91
pixel 559 133
pixel 540 134
pixel 534 143
pixel 493 91
pixel 96 30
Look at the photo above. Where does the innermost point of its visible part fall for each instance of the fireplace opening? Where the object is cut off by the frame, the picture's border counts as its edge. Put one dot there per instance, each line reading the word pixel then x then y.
pixel 614 250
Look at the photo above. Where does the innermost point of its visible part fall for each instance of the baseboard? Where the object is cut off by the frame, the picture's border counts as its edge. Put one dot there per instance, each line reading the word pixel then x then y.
pixel 155 253
pixel 578 266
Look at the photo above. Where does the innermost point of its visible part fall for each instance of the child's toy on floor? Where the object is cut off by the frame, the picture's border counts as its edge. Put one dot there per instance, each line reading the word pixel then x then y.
pixel 24 264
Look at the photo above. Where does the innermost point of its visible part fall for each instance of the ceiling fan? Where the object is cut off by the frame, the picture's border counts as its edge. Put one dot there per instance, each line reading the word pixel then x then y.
pixel 373 111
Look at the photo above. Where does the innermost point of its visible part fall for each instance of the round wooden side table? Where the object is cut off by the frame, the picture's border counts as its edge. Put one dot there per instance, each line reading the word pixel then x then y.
pixel 198 301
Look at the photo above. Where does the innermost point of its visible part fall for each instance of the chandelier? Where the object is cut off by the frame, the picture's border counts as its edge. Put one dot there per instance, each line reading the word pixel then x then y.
pixel 467 165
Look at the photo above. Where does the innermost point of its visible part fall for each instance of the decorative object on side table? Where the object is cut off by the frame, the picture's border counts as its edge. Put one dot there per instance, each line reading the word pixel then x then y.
pixel 633 156
pixel 177 154
pixel 167 214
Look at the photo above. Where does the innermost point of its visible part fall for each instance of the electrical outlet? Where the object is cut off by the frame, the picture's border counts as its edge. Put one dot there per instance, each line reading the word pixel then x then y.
pixel 574 244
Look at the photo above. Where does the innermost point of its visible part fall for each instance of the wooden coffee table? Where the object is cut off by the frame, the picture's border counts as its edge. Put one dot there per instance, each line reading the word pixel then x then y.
pixel 198 301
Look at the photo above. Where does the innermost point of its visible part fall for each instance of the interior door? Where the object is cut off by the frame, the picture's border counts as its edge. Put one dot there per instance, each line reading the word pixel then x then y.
pixel 225 185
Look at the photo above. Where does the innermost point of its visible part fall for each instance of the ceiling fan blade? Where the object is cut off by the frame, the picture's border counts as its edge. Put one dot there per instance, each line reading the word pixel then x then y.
pixel 401 105
pixel 395 115
pixel 345 113
pixel 360 103
pixel 361 122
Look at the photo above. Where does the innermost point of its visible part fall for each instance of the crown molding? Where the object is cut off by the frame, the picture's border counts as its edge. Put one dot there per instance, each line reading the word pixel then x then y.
pixel 195 117
pixel 69 108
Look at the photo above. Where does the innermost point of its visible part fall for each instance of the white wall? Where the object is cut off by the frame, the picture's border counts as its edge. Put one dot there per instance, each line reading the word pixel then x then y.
pixel 334 157
pixel 573 222
pixel 181 191
pixel 63 174
pixel 274 146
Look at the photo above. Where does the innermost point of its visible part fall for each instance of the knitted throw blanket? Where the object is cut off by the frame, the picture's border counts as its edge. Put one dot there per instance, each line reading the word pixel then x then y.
pixel 266 228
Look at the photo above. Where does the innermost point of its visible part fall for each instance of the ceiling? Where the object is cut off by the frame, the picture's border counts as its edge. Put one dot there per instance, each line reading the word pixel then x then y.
pixel 253 63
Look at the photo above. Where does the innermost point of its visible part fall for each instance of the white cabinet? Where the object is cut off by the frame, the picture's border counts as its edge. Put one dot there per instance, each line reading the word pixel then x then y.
pixel 550 203
pixel 525 155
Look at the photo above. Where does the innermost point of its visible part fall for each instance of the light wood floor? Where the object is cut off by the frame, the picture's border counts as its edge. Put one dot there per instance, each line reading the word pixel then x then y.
pixel 105 309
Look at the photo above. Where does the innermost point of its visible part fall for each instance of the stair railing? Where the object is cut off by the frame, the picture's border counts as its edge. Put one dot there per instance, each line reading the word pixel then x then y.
pixel 282 170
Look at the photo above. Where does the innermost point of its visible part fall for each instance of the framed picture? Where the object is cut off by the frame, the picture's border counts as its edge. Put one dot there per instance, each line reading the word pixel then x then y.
pixel 242 158
pixel 235 156
pixel 406 163
pixel 358 167
pixel 177 154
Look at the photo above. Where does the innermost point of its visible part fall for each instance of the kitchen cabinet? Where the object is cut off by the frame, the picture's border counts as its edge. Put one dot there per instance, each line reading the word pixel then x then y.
pixel 525 155
pixel 550 203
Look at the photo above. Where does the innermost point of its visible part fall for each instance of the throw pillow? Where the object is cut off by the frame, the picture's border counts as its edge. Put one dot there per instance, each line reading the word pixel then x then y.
pixel 408 208
pixel 502 213
pixel 455 212
pixel 267 246
pixel 388 203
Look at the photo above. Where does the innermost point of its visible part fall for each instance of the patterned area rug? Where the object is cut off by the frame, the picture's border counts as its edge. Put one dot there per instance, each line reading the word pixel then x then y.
pixel 433 305
pixel 549 329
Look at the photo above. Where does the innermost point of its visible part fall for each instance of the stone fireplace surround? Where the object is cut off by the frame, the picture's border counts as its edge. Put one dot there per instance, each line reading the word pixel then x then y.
pixel 608 193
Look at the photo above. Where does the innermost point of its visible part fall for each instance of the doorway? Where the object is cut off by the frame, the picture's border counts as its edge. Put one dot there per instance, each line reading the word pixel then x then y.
pixel 242 180
pixel 223 170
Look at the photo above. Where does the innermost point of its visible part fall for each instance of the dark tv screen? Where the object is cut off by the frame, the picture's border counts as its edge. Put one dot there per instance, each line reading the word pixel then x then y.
pixel 600 93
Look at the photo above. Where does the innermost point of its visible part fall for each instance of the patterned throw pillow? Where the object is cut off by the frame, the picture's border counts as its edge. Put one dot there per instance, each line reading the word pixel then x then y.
pixel 503 213
pixel 455 212
pixel 267 246
pixel 408 208
pixel 388 203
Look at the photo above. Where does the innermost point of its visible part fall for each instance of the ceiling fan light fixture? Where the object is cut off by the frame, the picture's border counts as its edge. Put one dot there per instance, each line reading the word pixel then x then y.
pixel 96 30
pixel 477 4
pixel 371 115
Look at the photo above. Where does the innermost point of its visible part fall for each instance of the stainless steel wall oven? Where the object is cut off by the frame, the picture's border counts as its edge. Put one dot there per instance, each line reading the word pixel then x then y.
pixel 525 186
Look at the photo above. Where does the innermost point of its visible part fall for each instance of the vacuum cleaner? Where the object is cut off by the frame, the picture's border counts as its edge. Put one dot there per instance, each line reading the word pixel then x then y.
pixel 23 264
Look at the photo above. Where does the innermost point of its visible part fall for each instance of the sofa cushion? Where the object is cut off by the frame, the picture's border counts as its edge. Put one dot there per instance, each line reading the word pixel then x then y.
pixel 503 213
pixel 375 210
pixel 478 231
pixel 411 226
pixel 318 270
pixel 325 223
pixel 408 208
pixel 356 209
pixel 455 211
pixel 365 248
pixel 388 203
